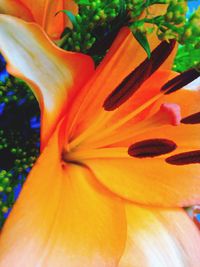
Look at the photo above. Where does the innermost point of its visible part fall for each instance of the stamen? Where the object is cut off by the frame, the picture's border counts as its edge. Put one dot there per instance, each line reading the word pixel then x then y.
pixel 180 81
pixel 138 76
pixel 168 114
pixel 107 130
pixel 185 158
pixel 91 153
pixel 151 148
pixel 192 119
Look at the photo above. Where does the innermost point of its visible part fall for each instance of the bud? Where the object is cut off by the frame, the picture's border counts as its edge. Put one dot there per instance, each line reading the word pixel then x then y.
pixel 4 209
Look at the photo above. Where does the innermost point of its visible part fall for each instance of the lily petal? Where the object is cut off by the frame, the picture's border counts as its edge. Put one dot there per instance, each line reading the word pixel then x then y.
pixel 50 71
pixel 150 181
pixel 15 8
pixel 186 99
pixel 44 14
pixel 160 238
pixel 63 217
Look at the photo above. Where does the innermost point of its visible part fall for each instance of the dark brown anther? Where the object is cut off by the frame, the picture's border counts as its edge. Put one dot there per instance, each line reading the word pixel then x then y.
pixel 138 76
pixel 180 81
pixel 185 158
pixel 151 148
pixel 192 119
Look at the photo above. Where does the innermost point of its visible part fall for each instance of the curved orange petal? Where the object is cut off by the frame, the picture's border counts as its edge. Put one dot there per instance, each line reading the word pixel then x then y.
pixel 149 181
pixel 188 100
pixel 15 8
pixel 63 217
pixel 51 72
pixel 160 238
pixel 44 14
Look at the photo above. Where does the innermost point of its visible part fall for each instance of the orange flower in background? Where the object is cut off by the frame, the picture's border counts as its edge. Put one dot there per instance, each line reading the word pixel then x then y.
pixel 42 12
pixel 117 164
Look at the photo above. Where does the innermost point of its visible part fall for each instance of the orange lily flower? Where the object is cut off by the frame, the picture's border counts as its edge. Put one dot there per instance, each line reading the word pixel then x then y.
pixel 42 12
pixel 117 164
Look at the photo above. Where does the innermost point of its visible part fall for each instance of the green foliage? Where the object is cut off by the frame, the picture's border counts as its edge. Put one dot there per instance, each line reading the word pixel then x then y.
pixel 188 56
pixel 18 150
pixel 99 21
pixel 93 21
pixel 189 53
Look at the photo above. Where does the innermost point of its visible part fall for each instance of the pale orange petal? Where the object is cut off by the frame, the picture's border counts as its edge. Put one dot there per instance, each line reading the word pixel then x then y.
pixel 160 238
pixel 63 217
pixel 50 71
pixel 15 8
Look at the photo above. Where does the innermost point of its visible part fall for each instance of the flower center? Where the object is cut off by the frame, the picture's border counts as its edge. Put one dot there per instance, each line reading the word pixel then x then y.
pixel 96 147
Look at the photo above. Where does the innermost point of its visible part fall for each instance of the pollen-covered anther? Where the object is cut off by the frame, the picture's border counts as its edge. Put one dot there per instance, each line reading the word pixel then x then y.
pixel 185 158
pixel 138 76
pixel 151 148
pixel 192 119
pixel 180 81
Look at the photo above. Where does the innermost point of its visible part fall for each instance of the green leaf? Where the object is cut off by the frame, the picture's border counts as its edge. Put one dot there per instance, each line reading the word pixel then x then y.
pixel 142 40
pixel 70 16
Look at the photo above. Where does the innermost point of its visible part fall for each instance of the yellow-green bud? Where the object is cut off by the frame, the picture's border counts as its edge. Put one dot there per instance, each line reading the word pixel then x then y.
pixel 4 209
pixel 188 32
pixel 9 189
pixel 169 16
